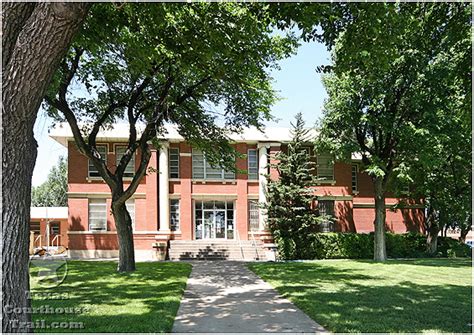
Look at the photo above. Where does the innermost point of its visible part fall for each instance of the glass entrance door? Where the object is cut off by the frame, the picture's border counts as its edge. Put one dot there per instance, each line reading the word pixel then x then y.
pixel 208 222
pixel 214 224
pixel 214 220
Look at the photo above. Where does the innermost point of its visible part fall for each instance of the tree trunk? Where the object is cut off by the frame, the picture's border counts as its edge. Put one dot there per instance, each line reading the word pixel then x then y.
pixel 432 229
pixel 463 234
pixel 37 41
pixel 432 240
pixel 123 223
pixel 380 250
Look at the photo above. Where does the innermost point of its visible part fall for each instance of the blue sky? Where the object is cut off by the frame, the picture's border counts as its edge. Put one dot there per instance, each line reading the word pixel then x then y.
pixel 297 83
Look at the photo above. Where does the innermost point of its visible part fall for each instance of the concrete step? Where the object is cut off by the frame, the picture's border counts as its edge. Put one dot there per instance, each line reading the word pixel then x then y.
pixel 216 250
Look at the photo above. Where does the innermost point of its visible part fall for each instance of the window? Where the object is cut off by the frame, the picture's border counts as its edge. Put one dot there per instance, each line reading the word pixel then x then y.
pixel 54 228
pixel 130 204
pixel 355 170
pixel 326 209
pixel 174 162
pixel 130 168
pixel 253 215
pixel 93 172
pixel 35 227
pixel 325 167
pixel 174 214
pixel 214 219
pixel 97 215
pixel 252 162
pixel 203 170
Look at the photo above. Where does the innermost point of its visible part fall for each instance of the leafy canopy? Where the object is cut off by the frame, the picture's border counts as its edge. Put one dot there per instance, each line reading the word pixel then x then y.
pixel 198 63
pixel 53 192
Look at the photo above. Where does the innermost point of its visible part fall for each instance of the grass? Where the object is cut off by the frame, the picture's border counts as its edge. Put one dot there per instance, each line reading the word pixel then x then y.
pixel 143 301
pixel 423 295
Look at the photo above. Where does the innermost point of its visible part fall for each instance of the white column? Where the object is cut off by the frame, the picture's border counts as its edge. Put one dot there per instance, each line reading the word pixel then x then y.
pixel 163 193
pixel 262 181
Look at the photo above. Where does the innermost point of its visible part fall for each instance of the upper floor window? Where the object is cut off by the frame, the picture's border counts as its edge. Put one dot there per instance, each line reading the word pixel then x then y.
pixel 326 209
pixel 203 169
pixel 97 215
pixel 174 214
pixel 355 186
pixel 252 164
pixel 325 166
pixel 130 204
pixel 93 172
pixel 174 162
pixel 130 168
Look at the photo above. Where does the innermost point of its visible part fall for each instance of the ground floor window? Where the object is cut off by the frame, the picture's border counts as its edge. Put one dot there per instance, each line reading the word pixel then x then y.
pixel 253 215
pixel 326 209
pixel 214 219
pixel 97 215
pixel 35 227
pixel 174 214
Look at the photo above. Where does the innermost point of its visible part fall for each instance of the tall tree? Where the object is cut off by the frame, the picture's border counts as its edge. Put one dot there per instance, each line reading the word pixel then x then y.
pixel 53 192
pixel 292 217
pixel 35 36
pixel 385 86
pixel 165 63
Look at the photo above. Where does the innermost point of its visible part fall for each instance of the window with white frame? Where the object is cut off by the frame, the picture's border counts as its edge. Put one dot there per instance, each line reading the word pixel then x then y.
pixel 130 204
pixel 97 215
pixel 202 169
pixel 252 164
pixel 130 168
pixel 325 166
pixel 326 210
pixel 174 214
pixel 355 186
pixel 174 162
pixel 93 172
pixel 253 215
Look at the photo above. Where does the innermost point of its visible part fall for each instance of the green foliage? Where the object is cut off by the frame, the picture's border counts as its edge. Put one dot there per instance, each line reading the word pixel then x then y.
pixel 291 216
pixel 361 246
pixel 199 63
pixel 53 192
pixel 397 92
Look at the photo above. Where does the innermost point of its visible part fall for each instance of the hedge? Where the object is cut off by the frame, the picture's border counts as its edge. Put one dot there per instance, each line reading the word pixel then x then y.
pixel 361 246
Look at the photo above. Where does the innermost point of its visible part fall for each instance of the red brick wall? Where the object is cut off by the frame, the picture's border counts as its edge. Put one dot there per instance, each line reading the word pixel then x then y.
pixel 349 216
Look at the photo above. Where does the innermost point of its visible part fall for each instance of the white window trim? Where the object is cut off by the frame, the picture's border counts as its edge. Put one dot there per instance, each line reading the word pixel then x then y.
pixel 179 214
pixel 89 177
pixel 356 190
pixel 89 214
pixel 325 181
pixel 169 163
pixel 222 179
pixel 134 160
pixel 248 164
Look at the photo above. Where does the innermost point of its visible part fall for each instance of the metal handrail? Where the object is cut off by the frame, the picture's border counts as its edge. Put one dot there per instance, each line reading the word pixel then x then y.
pixel 56 238
pixel 36 239
pixel 240 244
pixel 254 241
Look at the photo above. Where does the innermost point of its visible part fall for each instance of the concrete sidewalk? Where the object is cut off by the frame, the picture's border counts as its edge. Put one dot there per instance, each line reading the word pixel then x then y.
pixel 224 297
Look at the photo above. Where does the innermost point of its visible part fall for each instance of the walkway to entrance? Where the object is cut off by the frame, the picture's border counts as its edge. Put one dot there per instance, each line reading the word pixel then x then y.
pixel 223 297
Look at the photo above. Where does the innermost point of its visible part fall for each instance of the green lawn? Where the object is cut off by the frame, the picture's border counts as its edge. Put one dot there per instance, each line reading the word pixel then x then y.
pixel 144 301
pixel 423 295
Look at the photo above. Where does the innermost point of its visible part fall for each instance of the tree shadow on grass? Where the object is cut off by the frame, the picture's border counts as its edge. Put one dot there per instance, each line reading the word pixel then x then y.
pixel 436 262
pixel 344 300
pixel 143 301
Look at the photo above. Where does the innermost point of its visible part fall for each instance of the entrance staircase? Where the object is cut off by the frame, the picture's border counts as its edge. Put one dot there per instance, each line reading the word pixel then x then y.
pixel 216 250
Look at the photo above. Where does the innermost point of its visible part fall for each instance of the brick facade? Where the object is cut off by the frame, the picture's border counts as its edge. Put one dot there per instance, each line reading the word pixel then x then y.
pixel 353 211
